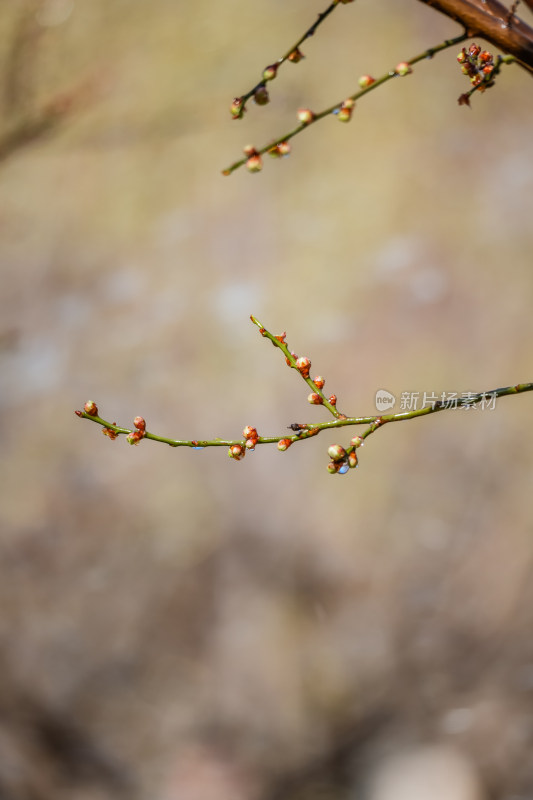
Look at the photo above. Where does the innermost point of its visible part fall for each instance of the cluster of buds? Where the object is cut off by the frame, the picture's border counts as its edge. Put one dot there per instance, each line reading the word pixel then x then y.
pixel 254 162
pixel 140 430
pixel 479 65
pixel 250 437
pixel 342 460
pixel 344 113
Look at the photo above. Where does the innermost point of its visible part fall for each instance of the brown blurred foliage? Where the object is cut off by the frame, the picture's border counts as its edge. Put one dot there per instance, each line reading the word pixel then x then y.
pixel 177 625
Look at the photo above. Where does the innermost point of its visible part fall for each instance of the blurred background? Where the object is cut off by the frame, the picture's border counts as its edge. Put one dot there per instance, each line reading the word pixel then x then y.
pixel 178 626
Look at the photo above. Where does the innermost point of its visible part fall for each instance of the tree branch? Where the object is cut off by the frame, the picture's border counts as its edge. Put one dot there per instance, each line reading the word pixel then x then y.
pixel 493 21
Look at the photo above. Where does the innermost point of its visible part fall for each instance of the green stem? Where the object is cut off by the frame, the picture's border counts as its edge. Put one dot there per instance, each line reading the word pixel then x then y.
pixel 429 53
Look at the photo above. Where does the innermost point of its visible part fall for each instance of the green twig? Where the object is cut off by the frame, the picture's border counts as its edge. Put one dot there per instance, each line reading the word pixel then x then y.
pixel 429 53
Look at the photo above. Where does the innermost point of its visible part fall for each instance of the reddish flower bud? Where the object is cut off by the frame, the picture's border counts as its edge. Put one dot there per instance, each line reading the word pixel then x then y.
pixel 305 115
pixel 336 452
pixel 314 399
pixel 303 365
pixel 250 444
pixel 249 432
pixel 344 114
pixel 357 441
pixel 365 81
pixel 91 408
pixel 352 460
pixel 295 358
pixel 254 163
pixel 319 382
pixel 269 73
pixel 139 423
pixel 333 399
pixel 284 148
pixel 109 433
pixel 134 437
pixel 474 50
pixel 403 68
pixel 249 150
pixel 461 57
pixel 296 55
pixel 237 452
pixel 485 57
pixel 261 96
pixel 284 444
pixel 333 467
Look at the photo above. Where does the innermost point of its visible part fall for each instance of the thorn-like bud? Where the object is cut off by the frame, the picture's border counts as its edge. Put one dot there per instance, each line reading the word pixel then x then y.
pixel 237 452
pixel 333 399
pixel 314 399
pixel 296 55
pixel 139 423
pixel 254 163
pixel 269 73
pixel 237 108
pixel 305 115
pixel 303 365
pixel 357 441
pixel 403 68
pixel 91 408
pixel 284 444
pixel 134 437
pixel 336 452
pixel 352 460
pixel 365 81
pixel 261 96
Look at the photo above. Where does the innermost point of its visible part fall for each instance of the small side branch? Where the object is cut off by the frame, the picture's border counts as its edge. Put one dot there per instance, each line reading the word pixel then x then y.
pixel 342 457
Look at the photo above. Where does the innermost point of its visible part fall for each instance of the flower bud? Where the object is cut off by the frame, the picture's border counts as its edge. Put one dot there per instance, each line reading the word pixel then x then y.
pixel 314 399
pixel 109 433
pixel 284 148
pixel 305 115
pixel 474 50
pixel 284 444
pixel 139 423
pixel 357 441
pixel 333 399
pixel 303 365
pixel 365 81
pixel 250 444
pixel 333 467
pixel 91 408
pixel 403 68
pixel 261 96
pixel 319 382
pixel 461 57
pixel 296 55
pixel 269 73
pixel 352 460
pixel 134 437
pixel 237 108
pixel 336 452
pixel 254 163
pixel 250 433
pixel 237 452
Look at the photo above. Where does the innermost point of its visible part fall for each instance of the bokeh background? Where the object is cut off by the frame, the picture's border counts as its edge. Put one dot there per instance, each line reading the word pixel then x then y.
pixel 178 626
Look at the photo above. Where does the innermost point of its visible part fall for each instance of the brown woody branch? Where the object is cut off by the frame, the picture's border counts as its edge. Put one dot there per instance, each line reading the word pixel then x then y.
pixel 492 21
